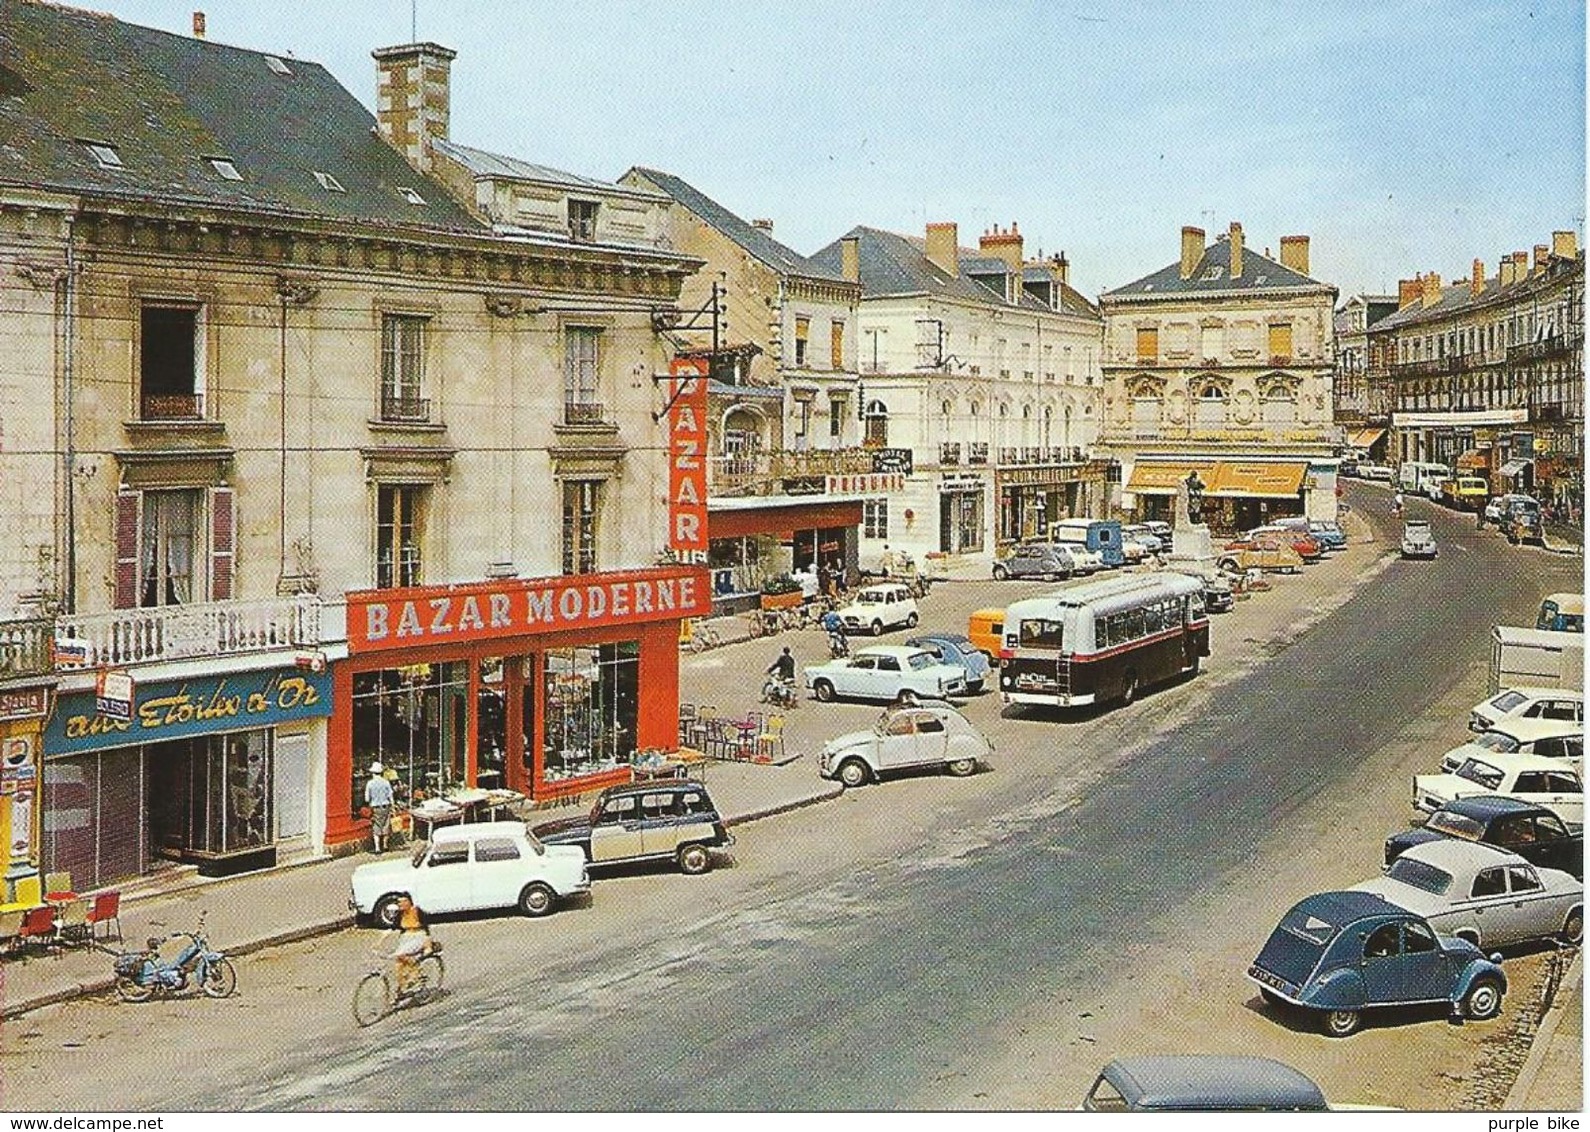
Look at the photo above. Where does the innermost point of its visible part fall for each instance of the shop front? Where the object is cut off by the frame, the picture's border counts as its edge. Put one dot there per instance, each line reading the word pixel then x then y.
pixel 1238 494
pixel 961 515
pixel 213 771
pixel 758 537
pixel 1031 499
pixel 23 710
pixel 547 687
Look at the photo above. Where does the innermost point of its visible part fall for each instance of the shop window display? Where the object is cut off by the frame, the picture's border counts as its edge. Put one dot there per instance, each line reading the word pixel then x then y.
pixel 414 720
pixel 211 795
pixel 491 726
pixel 591 706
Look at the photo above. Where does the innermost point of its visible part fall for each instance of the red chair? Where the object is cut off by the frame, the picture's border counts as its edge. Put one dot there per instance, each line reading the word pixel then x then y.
pixel 106 910
pixel 38 925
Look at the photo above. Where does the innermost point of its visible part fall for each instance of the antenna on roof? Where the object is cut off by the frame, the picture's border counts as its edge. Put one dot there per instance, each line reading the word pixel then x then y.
pixel 414 21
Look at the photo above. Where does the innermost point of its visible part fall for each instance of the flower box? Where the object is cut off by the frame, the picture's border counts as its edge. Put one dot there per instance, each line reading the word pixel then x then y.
pixel 781 601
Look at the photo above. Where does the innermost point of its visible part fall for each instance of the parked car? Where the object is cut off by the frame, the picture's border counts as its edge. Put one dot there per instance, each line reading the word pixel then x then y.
pixel 1165 532
pixel 1381 472
pixel 1202 1082
pixel 1083 560
pixel 1262 553
pixel 1326 532
pixel 463 868
pixel 958 649
pixel 1561 613
pixel 1307 549
pixel 1562 704
pixel 645 821
pixel 1484 894
pixel 872 609
pixel 1417 540
pixel 1545 782
pixel 1466 493
pixel 1549 738
pixel 1218 596
pixel 905 738
pixel 1533 832
pixel 1140 532
pixel 1501 504
pixel 886 672
pixel 1132 550
pixel 1339 954
pixel 1516 515
pixel 1348 466
pixel 1046 560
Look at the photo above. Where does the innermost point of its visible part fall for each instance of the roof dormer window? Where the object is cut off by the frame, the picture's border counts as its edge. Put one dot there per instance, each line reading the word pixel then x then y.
pixel 582 220
pixel 224 168
pixel 329 183
pixel 104 154
pixel 1213 273
pixel 411 195
pixel 277 65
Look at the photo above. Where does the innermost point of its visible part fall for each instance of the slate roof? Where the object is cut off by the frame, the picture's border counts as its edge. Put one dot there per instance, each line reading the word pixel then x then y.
pixel 486 164
pixel 1459 296
pixel 167 103
pixel 892 264
pixel 756 241
pixel 1259 273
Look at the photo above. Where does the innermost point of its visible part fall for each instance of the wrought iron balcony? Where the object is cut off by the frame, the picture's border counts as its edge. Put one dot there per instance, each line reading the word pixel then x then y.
pixel 174 632
pixel 950 453
pixel 171 407
pixel 25 647
pixel 584 413
pixel 1557 344
pixel 977 452
pixel 1032 455
pixel 406 410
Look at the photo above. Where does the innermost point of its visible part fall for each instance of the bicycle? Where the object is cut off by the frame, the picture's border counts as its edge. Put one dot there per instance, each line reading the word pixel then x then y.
pixel 374 998
pixel 703 637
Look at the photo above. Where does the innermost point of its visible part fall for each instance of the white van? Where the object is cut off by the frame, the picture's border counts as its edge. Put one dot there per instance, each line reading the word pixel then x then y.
pixel 1422 478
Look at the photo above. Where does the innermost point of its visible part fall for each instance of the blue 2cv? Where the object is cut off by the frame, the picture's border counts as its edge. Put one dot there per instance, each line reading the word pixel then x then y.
pixel 1340 953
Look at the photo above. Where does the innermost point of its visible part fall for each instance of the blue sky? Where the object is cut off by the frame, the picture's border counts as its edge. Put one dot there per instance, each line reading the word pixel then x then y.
pixel 1401 137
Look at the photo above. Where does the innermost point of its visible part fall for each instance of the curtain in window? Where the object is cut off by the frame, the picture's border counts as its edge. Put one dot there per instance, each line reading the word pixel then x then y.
pixel 167 547
pixel 402 345
pixel 580 347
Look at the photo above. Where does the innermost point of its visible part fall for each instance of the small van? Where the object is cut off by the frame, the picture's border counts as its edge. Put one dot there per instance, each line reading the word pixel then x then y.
pixel 1102 536
pixel 1562 613
pixel 986 629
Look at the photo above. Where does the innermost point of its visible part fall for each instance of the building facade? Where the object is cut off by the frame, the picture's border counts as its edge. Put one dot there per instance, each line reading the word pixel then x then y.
pixel 1362 411
pixel 1222 363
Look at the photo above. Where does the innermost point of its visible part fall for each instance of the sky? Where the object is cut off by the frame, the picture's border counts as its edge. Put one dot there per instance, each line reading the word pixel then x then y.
pixel 1400 137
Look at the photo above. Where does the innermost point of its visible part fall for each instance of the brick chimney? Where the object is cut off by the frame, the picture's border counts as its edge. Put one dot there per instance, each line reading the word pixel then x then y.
pixel 1192 249
pixel 1432 289
pixel 1408 291
pixel 1504 272
pixel 1520 266
pixel 1564 245
pixel 762 224
pixel 411 98
pixel 1060 268
pixel 1541 252
pixel 1294 253
pixel 1004 245
pixel 1477 279
pixel 944 248
pixel 1236 250
pixel 850 258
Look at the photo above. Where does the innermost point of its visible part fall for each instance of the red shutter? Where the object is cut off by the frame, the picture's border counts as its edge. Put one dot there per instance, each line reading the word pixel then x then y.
pixel 126 549
pixel 223 539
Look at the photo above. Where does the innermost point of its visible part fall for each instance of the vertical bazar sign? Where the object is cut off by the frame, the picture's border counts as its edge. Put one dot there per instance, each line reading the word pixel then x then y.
pixel 687 458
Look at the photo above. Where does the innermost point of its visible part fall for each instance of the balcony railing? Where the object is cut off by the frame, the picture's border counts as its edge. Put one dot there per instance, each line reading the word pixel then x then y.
pixel 977 452
pixel 25 647
pixel 174 632
pixel 584 413
pixel 949 453
pixel 1545 348
pixel 171 407
pixel 406 410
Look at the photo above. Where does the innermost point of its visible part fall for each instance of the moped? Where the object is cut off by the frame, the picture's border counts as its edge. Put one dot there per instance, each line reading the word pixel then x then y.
pixel 142 975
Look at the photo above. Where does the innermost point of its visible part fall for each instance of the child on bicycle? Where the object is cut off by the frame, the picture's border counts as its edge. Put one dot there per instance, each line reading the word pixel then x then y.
pixel 413 942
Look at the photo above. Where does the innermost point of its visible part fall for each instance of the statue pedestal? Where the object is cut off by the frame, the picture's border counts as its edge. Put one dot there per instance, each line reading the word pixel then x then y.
pixel 1193 551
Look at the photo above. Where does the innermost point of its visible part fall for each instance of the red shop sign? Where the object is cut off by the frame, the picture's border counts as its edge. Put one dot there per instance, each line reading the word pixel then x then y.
pixel 515 607
pixel 687 463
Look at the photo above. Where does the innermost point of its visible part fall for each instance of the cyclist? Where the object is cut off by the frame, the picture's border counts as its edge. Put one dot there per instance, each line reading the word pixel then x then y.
pixel 413 942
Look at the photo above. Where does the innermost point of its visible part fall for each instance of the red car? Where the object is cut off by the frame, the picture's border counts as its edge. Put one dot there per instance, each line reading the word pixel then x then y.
pixel 1307 549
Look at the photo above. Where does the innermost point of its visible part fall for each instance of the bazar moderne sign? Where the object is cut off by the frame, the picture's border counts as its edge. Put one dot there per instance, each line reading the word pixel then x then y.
pixel 514 607
pixel 183 709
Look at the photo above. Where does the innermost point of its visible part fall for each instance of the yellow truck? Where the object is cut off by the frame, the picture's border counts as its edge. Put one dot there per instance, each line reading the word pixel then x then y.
pixel 1466 493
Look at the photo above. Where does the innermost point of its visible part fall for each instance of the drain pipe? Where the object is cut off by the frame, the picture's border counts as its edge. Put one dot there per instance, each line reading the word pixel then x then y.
pixel 69 457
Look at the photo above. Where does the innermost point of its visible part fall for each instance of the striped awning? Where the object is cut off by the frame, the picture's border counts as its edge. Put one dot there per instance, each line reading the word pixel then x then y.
pixel 1365 438
pixel 1154 478
pixel 1513 467
pixel 1258 480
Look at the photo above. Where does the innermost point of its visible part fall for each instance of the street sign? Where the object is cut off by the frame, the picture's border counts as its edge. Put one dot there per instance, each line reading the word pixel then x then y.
pixel 113 695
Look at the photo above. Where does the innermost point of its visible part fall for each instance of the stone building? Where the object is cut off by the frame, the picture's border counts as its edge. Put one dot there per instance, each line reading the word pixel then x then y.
pixel 1221 363
pixel 1362 411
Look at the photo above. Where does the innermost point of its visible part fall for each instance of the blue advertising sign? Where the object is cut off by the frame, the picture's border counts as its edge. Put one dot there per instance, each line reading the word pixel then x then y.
pixel 181 709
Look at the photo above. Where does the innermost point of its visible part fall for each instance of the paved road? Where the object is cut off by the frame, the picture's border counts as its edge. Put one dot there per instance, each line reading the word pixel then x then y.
pixel 927 942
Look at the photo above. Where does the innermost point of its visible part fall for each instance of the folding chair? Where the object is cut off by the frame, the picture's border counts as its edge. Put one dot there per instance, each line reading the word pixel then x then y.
pixel 38 925
pixel 72 925
pixel 107 911
pixel 11 930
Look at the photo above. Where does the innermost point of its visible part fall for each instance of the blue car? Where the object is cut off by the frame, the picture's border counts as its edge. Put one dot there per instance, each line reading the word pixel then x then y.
pixel 957 649
pixel 1341 953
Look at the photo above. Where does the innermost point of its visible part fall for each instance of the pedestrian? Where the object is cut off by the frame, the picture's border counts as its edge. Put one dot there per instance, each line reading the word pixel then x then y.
pixel 378 796
pixel 1479 518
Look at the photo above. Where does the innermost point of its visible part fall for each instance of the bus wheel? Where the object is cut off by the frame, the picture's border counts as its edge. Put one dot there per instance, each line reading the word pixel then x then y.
pixel 1129 691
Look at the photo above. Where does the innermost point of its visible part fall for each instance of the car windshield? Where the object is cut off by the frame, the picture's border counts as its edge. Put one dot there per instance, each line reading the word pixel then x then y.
pixel 1455 825
pixel 1420 875
pixel 1507 701
pixel 1497 741
pixel 869 597
pixel 921 660
pixel 1484 774
pixel 1417 530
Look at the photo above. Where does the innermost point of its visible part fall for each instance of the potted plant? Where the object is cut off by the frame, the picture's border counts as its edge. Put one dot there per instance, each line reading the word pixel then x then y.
pixel 780 592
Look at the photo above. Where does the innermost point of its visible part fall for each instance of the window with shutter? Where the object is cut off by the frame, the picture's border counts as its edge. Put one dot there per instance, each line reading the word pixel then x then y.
pixel 169 546
pixel 803 331
pixel 1281 342
pixel 1148 343
pixel 126 549
pixel 223 535
pixel 836 344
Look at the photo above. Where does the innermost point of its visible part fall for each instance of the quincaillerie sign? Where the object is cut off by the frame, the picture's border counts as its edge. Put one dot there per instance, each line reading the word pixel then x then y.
pixel 182 709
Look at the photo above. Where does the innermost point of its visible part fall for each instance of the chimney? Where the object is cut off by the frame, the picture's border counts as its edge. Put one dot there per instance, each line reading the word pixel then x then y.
pixel 850 258
pixel 1432 289
pixel 1520 266
pixel 1564 245
pixel 1235 269
pixel 1003 245
pixel 411 98
pixel 1541 251
pixel 762 224
pixel 1060 269
pixel 1477 279
pixel 1504 272
pixel 943 247
pixel 198 25
pixel 1408 291
pixel 1192 250
pixel 1294 253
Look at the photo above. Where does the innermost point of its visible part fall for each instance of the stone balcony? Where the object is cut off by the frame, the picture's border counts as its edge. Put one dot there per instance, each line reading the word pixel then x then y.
pixel 26 647
pixel 177 632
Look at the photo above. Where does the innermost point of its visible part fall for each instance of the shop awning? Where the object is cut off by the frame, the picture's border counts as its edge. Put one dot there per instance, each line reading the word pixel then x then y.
pixel 1257 480
pixel 1513 467
pixel 744 516
pixel 1365 438
pixel 1164 479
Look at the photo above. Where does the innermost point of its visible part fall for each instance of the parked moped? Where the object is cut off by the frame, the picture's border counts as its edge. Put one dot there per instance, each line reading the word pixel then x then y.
pixel 142 975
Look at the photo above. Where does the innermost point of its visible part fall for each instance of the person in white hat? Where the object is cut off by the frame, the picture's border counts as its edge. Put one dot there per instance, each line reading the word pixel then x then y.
pixel 378 796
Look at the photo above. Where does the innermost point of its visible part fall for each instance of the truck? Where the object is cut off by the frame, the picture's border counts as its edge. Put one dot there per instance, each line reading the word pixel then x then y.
pixel 1422 478
pixel 1466 493
pixel 1535 658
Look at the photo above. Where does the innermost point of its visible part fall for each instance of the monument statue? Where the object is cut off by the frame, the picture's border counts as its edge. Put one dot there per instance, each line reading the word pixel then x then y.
pixel 1195 497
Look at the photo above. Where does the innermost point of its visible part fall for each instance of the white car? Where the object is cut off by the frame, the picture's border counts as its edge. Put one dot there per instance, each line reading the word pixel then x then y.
pixel 1549 783
pixel 1527 703
pixel 1549 738
pixel 905 738
pixel 1417 541
pixel 1083 560
pixel 1374 472
pixel 465 867
pixel 886 672
pixel 1132 550
pixel 873 609
pixel 1484 894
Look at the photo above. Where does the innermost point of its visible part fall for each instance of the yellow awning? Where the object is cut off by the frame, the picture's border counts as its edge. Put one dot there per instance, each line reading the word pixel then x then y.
pixel 1365 437
pixel 1258 480
pixel 1163 479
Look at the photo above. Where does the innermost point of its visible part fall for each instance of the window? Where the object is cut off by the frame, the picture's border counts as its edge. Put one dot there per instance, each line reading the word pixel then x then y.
pixel 225 169
pixel 582 356
pixel 1281 341
pixel 592 697
pixel 1148 343
pixel 170 349
pixel 1382 942
pixel 619 810
pixel 1211 406
pixel 169 539
pixel 582 220
pixel 1490 882
pixel 329 183
pixel 496 849
pixel 411 195
pixel 1279 406
pixel 1522 878
pixel 803 420
pixel 877 434
pixel 888 664
pixel 277 65
pixel 449 853
pixel 836 344
pixel 836 418
pixel 803 330
pixel 582 502
pixel 403 368
pixel 399 529
pixel 1416 937
pixel 105 155
pixel 875 518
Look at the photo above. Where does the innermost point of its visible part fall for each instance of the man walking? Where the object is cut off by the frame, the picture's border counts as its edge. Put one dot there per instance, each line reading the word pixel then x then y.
pixel 378 796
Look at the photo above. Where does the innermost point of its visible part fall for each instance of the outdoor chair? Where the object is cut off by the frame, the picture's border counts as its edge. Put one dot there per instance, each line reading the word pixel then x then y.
pixel 38 927
pixel 11 930
pixel 770 740
pixel 58 882
pixel 106 910
pixel 71 927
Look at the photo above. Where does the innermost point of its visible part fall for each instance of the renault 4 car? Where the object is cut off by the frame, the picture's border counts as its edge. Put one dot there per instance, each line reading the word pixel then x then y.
pixel 646 821
pixel 872 609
